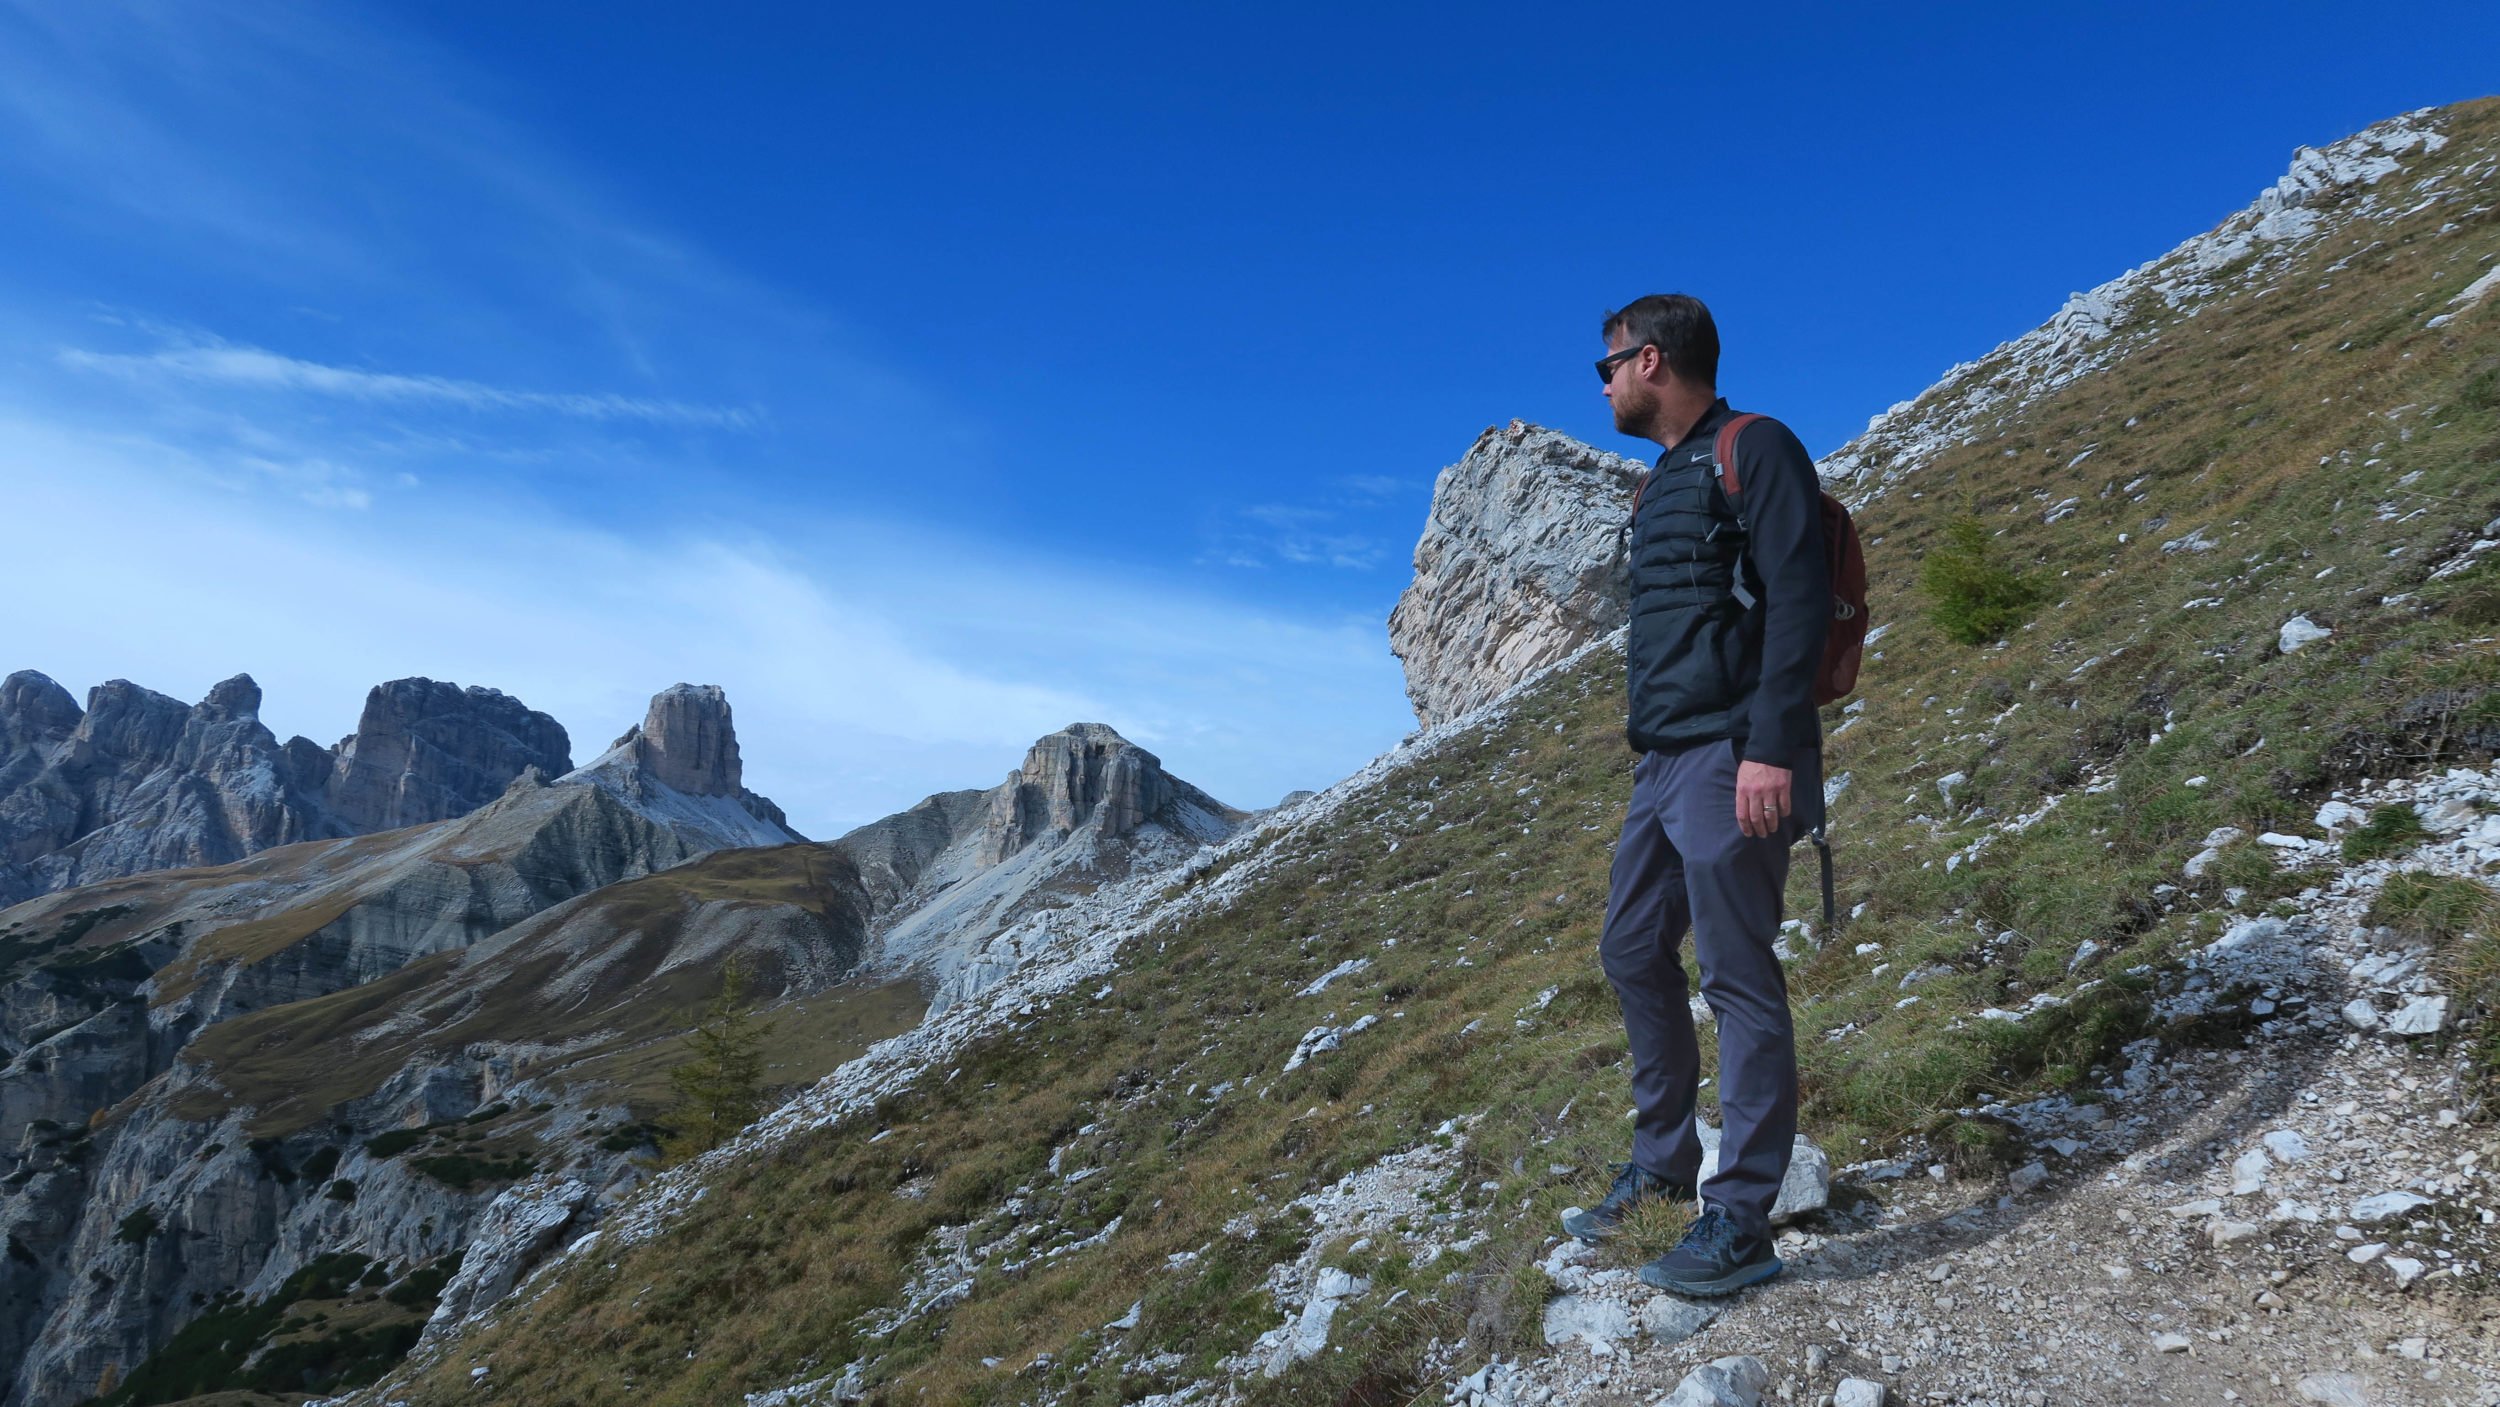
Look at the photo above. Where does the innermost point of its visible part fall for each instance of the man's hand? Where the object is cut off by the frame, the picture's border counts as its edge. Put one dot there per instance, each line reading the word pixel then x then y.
pixel 1761 798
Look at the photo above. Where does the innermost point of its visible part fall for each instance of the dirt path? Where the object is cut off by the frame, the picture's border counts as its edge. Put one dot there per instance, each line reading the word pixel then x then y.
pixel 2308 1218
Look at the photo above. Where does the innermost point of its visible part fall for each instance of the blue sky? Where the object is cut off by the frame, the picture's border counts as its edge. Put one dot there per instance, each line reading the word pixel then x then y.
pixel 933 379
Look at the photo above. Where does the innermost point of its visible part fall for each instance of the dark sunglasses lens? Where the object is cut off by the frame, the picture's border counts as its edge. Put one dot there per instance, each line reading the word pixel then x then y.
pixel 1606 369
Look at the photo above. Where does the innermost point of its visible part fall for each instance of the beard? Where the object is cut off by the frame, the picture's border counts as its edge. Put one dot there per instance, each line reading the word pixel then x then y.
pixel 1636 411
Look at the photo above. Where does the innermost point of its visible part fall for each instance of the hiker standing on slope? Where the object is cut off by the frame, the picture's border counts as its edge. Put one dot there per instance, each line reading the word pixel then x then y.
pixel 1729 614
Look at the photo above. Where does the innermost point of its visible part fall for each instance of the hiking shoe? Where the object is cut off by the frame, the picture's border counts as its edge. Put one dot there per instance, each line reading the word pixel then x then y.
pixel 1713 1259
pixel 1634 1186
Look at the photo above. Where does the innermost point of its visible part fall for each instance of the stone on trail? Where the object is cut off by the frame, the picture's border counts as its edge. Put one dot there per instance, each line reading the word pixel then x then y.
pixel 2386 1205
pixel 1807 1188
pixel 1670 1319
pixel 1587 1319
pixel 2170 1343
pixel 2248 1172
pixel 2333 1390
pixel 1722 1382
pixel 1858 1392
pixel 2286 1145
pixel 2223 1233
pixel 2422 1016
pixel 2450 817
pixel 2026 1178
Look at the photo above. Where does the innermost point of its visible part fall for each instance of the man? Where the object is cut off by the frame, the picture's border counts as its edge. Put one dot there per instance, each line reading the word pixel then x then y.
pixel 1730 602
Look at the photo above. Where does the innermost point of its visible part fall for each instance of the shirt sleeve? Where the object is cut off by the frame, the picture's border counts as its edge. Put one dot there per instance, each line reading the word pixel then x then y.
pixel 1782 502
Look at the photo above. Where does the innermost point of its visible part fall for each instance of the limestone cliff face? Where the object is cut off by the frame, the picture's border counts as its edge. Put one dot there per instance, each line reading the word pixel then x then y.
pixel 963 883
pixel 1083 773
pixel 427 751
pixel 688 741
pixel 681 765
pixel 138 781
pixel 1519 565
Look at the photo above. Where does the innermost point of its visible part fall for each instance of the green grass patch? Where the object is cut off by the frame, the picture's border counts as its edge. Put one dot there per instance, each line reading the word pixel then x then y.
pixel 2440 908
pixel 2391 830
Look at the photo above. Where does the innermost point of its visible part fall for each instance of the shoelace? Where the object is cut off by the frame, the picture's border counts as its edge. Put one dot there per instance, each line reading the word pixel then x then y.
pixel 1709 1232
pixel 1628 1183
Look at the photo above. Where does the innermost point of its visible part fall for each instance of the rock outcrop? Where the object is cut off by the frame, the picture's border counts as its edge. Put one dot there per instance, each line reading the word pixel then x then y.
pixel 965 880
pixel 426 751
pixel 680 766
pixel 138 781
pixel 1084 773
pixel 1519 565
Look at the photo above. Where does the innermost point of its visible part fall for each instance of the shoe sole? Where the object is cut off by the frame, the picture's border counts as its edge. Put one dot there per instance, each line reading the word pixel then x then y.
pixel 1727 1284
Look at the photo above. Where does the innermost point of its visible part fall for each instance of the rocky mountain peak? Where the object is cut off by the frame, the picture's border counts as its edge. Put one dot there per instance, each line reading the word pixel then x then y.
pixel 1518 566
pixel 688 741
pixel 34 709
pixel 1085 772
pixel 680 764
pixel 231 700
pixel 140 781
pixel 425 750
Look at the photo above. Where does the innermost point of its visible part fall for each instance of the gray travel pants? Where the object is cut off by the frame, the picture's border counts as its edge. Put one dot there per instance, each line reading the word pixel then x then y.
pixel 1683 866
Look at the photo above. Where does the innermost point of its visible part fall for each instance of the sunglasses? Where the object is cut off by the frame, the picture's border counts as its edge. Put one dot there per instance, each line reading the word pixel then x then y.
pixel 1606 364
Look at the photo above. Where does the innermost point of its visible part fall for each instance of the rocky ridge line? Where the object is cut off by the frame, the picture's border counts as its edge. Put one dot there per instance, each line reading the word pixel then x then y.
pixel 139 781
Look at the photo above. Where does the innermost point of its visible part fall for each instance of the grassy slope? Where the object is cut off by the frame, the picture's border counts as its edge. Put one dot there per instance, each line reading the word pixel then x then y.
pixel 1486 865
pixel 297 1061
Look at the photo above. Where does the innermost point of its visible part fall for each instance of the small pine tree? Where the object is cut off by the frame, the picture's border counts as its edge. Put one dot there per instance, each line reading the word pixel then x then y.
pixel 720 1087
pixel 1977 598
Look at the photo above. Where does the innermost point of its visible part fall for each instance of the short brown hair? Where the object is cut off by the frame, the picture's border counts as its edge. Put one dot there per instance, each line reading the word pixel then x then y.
pixel 1679 326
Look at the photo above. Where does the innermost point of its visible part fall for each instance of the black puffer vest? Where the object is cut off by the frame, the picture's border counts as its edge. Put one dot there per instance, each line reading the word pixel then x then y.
pixel 1695 651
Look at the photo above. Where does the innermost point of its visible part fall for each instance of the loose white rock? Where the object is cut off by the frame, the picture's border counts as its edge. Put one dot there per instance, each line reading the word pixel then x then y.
pixel 1586 1319
pixel 2299 633
pixel 2370 1210
pixel 1859 1392
pixel 2422 1016
pixel 1669 1319
pixel 1722 1382
pixel 2333 1390
pixel 1807 1188
pixel 2450 817
pixel 2286 1145
pixel 2223 1233
pixel 2248 1172
pixel 2170 1343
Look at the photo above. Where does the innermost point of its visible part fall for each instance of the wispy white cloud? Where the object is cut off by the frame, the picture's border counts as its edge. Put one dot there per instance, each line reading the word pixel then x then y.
pixel 219 363
pixel 1318 534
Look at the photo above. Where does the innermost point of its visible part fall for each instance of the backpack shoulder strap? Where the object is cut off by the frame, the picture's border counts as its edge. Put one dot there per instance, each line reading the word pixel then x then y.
pixel 1723 452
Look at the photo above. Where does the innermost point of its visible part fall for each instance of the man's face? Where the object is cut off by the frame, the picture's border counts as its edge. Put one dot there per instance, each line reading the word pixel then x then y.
pixel 1635 400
